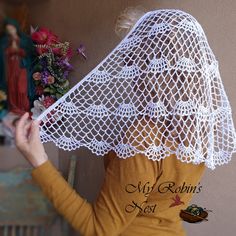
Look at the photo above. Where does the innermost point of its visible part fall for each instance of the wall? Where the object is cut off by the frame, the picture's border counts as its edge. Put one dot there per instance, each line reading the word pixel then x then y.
pixel 92 22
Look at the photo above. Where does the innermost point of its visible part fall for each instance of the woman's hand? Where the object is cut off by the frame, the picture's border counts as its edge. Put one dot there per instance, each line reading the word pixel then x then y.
pixel 28 141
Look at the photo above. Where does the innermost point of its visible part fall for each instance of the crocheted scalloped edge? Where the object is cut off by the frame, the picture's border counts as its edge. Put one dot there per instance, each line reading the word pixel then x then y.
pixel 154 153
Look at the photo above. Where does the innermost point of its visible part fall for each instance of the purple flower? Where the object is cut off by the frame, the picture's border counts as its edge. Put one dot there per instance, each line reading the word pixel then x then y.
pixel 65 74
pixel 81 51
pixel 65 64
pixel 44 77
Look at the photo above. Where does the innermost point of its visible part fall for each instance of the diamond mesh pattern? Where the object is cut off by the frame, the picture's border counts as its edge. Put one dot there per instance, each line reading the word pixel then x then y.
pixel 159 92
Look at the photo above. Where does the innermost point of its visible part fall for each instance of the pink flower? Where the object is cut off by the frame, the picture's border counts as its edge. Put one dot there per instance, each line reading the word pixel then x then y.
pixel 50 79
pixel 37 76
pixel 48 101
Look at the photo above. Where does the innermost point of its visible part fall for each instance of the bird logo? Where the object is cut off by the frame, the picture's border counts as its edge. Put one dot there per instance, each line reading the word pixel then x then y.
pixel 177 201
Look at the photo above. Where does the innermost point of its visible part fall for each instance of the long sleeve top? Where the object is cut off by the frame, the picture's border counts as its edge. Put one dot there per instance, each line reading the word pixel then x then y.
pixel 138 197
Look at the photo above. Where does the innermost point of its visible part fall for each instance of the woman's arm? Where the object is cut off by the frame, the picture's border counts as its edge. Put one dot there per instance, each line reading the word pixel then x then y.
pixel 123 196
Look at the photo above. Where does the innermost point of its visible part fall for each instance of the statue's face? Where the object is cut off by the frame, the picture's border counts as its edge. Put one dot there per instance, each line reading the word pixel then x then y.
pixel 11 30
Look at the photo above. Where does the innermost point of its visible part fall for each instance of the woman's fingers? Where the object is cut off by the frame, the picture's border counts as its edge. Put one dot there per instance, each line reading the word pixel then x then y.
pixel 21 128
pixel 34 133
pixel 27 129
pixel 28 141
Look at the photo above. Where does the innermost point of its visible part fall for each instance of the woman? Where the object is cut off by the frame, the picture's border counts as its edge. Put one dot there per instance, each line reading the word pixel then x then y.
pixel 156 107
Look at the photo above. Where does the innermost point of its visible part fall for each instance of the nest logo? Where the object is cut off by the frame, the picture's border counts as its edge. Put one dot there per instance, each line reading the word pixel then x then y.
pixel 194 214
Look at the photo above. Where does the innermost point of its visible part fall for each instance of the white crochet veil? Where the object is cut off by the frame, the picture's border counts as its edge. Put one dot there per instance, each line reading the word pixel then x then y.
pixel 159 92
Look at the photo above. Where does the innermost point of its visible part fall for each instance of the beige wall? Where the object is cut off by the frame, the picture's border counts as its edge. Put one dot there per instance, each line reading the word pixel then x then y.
pixel 92 22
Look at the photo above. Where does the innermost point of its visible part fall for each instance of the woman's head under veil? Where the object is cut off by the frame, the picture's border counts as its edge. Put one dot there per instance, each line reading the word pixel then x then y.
pixel 158 92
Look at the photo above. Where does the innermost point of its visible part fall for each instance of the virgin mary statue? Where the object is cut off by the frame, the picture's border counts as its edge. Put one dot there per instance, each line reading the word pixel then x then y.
pixel 16 53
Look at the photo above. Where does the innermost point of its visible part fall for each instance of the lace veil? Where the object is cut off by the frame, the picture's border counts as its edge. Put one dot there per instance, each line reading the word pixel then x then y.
pixel 159 92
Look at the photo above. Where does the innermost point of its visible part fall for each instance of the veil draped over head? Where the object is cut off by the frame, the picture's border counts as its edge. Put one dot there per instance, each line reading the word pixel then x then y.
pixel 159 92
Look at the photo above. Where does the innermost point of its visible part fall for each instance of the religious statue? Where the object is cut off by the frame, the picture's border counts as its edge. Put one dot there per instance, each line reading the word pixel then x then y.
pixel 16 53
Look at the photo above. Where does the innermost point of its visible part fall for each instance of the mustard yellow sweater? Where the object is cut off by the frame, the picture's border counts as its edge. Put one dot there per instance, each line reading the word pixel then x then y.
pixel 138 197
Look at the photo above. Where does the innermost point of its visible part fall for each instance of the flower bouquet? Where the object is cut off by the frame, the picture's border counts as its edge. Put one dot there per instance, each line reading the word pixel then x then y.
pixel 50 69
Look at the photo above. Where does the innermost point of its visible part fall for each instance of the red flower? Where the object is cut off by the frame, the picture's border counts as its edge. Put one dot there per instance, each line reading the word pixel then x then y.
pixel 48 101
pixel 69 53
pixel 44 36
pixel 39 90
pixel 57 51
pixel 60 51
